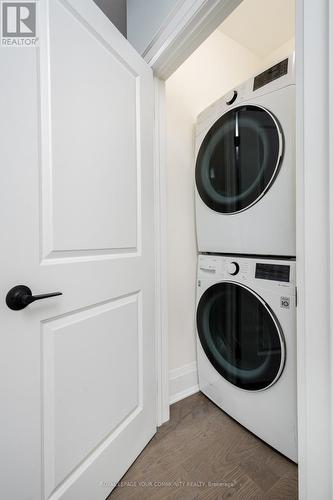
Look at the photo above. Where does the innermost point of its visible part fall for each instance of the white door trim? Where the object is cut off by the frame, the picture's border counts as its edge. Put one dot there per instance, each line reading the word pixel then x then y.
pixel 187 26
pixel 314 77
pixel 161 271
pixel 314 246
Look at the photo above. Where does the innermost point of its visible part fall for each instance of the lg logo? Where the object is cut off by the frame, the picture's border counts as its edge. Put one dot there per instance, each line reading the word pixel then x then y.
pixel 18 22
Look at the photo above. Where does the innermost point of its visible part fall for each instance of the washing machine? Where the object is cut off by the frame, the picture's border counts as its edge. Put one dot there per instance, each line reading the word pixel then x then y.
pixel 246 343
pixel 245 167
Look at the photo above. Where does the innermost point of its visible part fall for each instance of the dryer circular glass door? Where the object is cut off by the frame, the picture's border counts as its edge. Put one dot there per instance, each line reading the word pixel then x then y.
pixel 239 159
pixel 240 336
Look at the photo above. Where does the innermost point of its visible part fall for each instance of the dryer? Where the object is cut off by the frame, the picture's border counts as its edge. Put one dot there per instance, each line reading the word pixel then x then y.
pixel 246 344
pixel 245 167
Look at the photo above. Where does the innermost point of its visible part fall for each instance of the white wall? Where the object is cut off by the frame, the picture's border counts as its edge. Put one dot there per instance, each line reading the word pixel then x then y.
pixel 214 68
pixel 278 54
pixel 261 25
pixel 144 18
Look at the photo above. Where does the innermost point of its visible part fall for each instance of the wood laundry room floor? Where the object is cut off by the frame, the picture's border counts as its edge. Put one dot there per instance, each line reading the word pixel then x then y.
pixel 202 453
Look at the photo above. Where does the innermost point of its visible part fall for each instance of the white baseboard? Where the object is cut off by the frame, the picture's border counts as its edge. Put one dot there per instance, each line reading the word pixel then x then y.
pixel 183 382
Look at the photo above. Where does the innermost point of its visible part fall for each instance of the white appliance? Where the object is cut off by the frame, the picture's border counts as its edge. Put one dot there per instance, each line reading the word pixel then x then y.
pixel 246 343
pixel 245 167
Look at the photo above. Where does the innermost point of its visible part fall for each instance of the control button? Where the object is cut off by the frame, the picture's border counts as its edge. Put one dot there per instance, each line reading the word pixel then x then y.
pixel 233 98
pixel 233 268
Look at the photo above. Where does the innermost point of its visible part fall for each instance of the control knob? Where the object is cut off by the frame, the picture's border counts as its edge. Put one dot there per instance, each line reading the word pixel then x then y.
pixel 232 98
pixel 233 268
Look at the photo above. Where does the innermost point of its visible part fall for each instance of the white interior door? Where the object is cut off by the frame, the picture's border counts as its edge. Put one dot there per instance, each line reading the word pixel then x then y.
pixel 76 195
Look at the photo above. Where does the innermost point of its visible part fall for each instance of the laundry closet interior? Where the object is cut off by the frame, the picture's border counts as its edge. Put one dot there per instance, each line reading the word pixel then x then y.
pixel 231 222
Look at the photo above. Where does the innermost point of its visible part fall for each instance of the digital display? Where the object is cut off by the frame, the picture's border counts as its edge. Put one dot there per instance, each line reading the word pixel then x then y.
pixel 271 74
pixel 273 272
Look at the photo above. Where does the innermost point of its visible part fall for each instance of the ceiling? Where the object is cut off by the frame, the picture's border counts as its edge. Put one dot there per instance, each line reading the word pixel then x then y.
pixel 261 25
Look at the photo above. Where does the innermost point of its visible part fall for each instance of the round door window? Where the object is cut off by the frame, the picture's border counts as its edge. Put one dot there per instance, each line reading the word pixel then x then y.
pixel 238 159
pixel 240 336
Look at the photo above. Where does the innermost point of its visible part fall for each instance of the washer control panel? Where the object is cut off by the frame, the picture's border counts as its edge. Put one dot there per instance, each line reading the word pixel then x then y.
pixel 269 272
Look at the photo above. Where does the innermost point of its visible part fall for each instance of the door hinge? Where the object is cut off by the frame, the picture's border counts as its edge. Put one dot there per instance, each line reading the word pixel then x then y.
pixel 296 301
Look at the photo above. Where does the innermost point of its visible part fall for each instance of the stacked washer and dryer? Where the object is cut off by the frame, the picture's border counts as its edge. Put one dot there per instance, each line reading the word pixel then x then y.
pixel 246 287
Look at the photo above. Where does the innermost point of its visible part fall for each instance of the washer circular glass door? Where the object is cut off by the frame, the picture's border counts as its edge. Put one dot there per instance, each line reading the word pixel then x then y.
pixel 238 159
pixel 240 336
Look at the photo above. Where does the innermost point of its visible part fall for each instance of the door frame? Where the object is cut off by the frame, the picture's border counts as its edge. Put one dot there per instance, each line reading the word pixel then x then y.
pixel 187 26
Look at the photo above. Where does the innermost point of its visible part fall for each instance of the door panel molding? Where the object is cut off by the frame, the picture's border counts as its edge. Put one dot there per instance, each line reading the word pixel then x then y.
pixel 51 251
pixel 59 365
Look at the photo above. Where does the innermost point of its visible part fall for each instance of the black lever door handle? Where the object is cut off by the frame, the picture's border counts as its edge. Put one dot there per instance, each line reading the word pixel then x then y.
pixel 21 296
